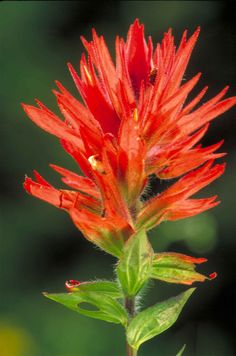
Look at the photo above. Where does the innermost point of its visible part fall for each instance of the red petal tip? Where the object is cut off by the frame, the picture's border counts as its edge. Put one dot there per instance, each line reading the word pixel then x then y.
pixel 36 173
pixel 94 33
pixel 83 39
pixel 25 107
pixel 27 184
pixel 59 85
pixel 69 65
pixel 71 284
pixel 55 92
pixel 213 275
pixel 37 102
pixel 197 31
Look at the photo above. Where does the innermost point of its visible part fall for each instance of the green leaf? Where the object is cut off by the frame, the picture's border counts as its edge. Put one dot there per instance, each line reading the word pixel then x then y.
pixel 134 267
pixel 103 306
pixel 180 353
pixel 177 268
pixel 156 319
pixel 104 287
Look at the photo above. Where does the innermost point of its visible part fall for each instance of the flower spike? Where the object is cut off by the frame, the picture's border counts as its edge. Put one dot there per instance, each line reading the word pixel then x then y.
pixel 136 120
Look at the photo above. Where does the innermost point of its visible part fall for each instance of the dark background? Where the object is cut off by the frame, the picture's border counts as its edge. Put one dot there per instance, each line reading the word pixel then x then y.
pixel 40 248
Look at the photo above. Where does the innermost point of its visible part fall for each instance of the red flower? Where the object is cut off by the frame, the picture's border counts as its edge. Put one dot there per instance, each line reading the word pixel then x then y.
pixel 135 122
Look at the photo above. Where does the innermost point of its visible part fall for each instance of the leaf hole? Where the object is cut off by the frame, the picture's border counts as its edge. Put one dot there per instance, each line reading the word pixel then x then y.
pixel 88 306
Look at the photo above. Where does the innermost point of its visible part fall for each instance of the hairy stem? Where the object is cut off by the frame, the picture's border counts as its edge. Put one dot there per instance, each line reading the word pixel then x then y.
pixel 130 307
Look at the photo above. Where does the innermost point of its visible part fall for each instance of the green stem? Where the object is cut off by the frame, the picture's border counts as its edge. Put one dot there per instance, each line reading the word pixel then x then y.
pixel 130 307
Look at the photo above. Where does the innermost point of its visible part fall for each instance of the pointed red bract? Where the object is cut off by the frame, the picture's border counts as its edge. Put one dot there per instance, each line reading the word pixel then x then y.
pixel 174 202
pixel 177 268
pixel 136 120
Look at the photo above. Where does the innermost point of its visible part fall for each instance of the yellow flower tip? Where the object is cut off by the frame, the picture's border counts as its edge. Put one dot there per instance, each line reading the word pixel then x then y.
pixel 135 114
pixel 88 74
pixel 96 164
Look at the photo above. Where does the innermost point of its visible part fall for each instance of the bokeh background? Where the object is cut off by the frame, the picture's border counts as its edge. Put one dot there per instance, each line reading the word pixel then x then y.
pixel 40 247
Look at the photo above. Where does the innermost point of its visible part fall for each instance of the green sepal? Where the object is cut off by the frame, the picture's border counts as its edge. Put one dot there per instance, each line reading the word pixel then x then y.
pixel 104 287
pixel 177 268
pixel 180 353
pixel 134 268
pixel 107 308
pixel 156 319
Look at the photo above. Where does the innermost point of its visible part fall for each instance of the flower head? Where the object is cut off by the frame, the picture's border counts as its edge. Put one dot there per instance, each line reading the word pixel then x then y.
pixel 134 122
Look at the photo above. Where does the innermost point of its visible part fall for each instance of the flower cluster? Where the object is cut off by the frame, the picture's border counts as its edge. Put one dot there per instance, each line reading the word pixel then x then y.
pixel 135 123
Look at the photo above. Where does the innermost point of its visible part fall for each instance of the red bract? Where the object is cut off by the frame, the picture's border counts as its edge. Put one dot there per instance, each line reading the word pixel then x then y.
pixel 177 268
pixel 135 122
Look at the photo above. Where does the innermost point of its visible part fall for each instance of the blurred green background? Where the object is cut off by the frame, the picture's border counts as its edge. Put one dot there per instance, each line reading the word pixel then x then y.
pixel 40 247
